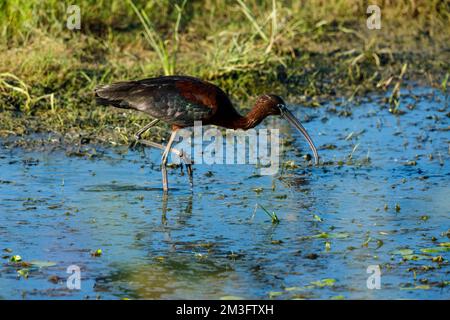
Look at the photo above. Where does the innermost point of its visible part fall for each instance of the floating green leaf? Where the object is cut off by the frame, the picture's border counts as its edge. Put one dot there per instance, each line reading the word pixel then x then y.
pixel 420 287
pixel 289 289
pixel 325 235
pixel 23 273
pixel 16 258
pixel 403 252
pixel 415 257
pixel 258 190
pixel 435 249
pixel 317 218
pixel 274 294
pixel 380 243
pixel 329 282
pixel 42 264
pixel 438 259
pixel 97 253
pixel 231 298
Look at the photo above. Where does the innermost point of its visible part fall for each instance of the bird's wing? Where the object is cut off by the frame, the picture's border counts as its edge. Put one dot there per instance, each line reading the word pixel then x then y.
pixel 176 100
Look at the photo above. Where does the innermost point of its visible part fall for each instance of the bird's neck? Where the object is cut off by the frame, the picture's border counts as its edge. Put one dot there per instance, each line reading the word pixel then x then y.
pixel 251 119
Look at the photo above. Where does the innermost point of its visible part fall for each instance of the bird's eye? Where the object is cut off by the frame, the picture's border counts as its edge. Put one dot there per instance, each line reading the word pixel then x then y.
pixel 282 108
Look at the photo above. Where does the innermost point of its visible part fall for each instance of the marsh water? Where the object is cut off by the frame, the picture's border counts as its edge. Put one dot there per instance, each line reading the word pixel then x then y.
pixel 380 198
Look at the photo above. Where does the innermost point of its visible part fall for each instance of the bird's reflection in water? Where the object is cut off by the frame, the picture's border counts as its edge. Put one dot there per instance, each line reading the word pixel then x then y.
pixel 177 276
pixel 165 200
pixel 183 214
pixel 296 181
pixel 300 184
pixel 175 272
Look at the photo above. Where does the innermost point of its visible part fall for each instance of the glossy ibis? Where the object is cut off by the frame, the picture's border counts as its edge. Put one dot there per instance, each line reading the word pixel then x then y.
pixel 181 100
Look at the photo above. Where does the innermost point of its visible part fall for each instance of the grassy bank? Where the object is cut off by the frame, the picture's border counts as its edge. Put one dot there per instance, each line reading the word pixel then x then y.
pixel 307 51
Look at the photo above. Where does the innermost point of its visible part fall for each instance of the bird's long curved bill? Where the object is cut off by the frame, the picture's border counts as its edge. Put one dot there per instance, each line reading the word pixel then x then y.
pixel 294 121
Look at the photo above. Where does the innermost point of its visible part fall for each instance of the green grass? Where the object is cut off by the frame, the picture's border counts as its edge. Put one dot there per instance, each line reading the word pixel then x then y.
pixel 167 56
pixel 307 51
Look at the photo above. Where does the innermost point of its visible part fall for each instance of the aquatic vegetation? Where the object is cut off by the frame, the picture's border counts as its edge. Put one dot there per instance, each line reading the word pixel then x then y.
pixel 403 252
pixel 97 253
pixel 231 298
pixel 272 215
pixel 274 294
pixel 435 249
pixel 317 218
pixel 326 235
pixel 16 258
pixel 23 273
pixel 42 264
pixel 324 283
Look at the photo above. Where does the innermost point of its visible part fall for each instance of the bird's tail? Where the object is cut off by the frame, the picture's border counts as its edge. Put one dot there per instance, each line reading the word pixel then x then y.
pixel 113 94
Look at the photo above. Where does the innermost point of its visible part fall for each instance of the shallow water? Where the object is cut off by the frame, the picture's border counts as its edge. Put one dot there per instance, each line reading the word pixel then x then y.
pixel 335 220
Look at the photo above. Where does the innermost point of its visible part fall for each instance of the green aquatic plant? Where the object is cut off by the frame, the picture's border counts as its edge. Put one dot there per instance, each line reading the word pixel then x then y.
pixel 317 218
pixel 435 249
pixel 328 282
pixel 272 215
pixel 23 273
pixel 326 235
pixel 16 258
pixel 97 253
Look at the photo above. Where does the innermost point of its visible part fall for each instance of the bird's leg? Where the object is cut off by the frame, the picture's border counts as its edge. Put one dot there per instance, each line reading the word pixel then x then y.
pixel 164 209
pixel 183 156
pixel 191 178
pixel 138 135
pixel 188 163
pixel 189 171
pixel 180 153
pixel 164 161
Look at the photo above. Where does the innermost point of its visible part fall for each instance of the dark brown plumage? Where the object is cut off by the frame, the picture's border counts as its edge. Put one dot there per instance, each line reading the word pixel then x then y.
pixel 182 100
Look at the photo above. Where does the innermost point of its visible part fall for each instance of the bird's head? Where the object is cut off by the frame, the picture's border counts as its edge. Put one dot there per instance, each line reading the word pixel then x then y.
pixel 274 105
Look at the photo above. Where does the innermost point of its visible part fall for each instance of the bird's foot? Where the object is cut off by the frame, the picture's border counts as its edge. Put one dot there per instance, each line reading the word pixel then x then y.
pixel 185 158
pixel 181 169
pixel 133 144
pixel 137 136
pixel 188 163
